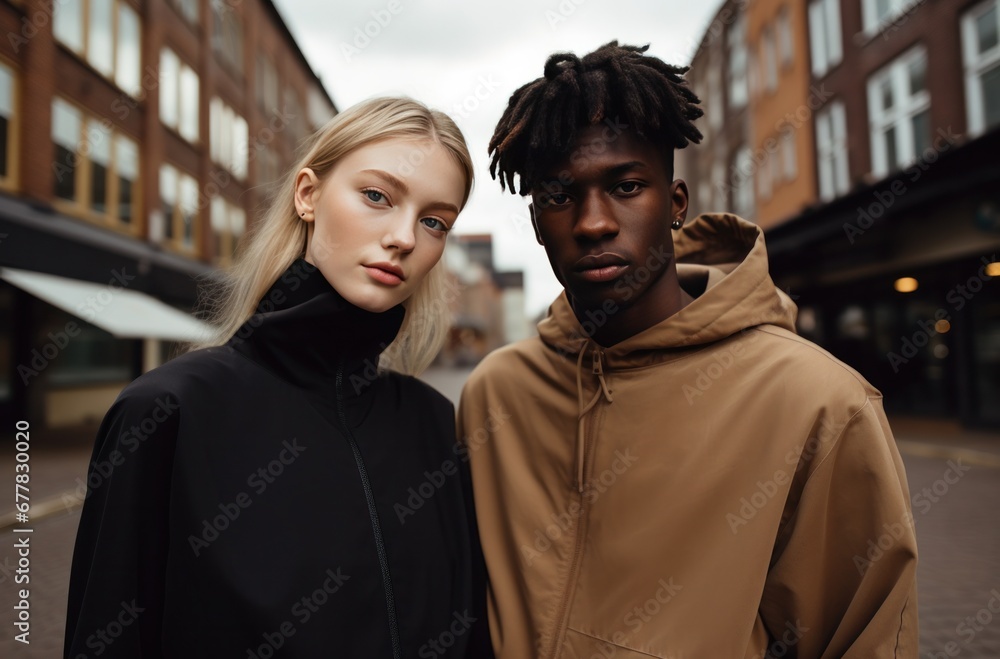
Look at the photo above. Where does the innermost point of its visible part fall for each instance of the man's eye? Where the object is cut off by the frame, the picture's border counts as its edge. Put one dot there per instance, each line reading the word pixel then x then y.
pixel 557 199
pixel 629 187
pixel 374 196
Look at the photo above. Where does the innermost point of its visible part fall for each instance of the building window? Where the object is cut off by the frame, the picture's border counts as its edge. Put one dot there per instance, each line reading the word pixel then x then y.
pixel 784 29
pixel 227 33
pixel 789 163
pixel 320 110
pixel 178 95
pixel 8 127
pixel 880 14
pixel 96 168
pixel 738 63
pixel 268 169
pixel 188 9
pixel 899 110
pixel 825 40
pixel 228 135
pixel 981 50
pixel 296 118
pixel 831 151
pixel 770 60
pixel 267 84
pixel 743 178
pixel 714 108
pixel 228 225
pixel 67 125
pixel 179 204
pixel 106 34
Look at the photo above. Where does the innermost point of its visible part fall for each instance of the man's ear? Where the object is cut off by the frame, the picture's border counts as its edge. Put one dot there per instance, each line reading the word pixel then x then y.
pixel 534 224
pixel 679 198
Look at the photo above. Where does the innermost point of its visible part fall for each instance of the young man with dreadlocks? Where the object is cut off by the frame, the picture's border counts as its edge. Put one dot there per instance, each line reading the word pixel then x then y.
pixel 668 470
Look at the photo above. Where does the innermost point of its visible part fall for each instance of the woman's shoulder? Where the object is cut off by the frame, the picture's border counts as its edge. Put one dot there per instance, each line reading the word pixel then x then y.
pixel 190 375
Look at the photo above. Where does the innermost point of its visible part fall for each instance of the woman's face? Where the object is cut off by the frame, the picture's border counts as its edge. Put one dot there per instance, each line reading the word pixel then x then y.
pixel 380 219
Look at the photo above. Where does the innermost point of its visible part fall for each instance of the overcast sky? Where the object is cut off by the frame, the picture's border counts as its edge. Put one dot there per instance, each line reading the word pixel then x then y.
pixel 467 58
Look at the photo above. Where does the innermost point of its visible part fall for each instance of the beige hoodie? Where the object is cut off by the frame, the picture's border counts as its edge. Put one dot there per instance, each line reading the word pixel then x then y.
pixel 714 487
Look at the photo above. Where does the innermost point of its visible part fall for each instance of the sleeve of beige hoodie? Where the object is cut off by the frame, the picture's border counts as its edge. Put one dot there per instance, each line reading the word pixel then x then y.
pixel 843 577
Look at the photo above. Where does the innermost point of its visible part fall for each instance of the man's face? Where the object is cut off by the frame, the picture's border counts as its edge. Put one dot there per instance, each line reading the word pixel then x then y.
pixel 604 216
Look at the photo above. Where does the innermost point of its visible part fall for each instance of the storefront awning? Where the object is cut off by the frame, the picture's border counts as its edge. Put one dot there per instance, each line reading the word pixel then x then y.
pixel 125 314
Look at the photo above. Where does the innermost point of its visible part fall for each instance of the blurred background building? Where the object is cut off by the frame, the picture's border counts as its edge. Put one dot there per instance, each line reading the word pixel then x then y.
pixel 863 136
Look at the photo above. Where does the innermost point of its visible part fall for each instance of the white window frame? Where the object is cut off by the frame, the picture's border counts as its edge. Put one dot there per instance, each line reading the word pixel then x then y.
pixel 173 92
pixel 905 107
pixel 229 138
pixel 872 23
pixel 976 65
pixel 831 151
pixel 738 56
pixel 825 36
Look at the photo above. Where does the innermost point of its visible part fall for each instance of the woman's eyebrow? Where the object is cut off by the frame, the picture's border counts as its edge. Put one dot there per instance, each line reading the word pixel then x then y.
pixel 389 179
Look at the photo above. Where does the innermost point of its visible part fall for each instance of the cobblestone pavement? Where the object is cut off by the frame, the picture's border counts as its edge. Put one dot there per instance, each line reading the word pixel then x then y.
pixel 958 530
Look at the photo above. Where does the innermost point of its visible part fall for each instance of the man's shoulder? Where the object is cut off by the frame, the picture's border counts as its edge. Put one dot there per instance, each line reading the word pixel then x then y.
pixel 811 367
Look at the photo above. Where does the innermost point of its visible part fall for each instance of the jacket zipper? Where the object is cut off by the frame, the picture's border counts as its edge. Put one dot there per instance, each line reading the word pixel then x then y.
pixel 390 601
pixel 562 620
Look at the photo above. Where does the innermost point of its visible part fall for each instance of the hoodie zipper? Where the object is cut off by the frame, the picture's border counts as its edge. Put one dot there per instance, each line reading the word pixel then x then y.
pixel 562 619
pixel 390 601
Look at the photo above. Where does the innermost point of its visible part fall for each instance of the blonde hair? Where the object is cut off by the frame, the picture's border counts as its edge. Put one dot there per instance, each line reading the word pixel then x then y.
pixel 278 238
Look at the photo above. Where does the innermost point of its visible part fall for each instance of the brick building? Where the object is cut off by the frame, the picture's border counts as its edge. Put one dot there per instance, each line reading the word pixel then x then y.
pixel 138 139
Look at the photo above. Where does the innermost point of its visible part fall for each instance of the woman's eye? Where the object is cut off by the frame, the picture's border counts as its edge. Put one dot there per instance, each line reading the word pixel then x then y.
pixel 435 223
pixel 374 196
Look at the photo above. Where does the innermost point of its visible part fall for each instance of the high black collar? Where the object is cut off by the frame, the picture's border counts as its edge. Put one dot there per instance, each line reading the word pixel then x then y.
pixel 305 332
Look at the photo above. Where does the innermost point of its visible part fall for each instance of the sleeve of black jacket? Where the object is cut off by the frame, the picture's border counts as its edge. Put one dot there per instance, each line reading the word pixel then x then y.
pixel 116 583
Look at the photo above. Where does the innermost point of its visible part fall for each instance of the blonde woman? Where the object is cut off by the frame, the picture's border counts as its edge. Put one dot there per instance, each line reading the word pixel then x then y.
pixel 290 489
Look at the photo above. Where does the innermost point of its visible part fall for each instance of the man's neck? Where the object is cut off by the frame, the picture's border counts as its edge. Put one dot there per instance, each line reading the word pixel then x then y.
pixel 663 303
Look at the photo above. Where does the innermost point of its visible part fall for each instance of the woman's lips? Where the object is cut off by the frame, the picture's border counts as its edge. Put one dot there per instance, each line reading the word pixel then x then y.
pixel 383 276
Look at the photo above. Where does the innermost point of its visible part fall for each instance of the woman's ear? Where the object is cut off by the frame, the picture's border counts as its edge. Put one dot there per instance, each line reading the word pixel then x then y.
pixel 306 192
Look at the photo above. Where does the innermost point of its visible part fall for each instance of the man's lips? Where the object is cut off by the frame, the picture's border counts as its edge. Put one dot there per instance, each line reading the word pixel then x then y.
pixel 601 267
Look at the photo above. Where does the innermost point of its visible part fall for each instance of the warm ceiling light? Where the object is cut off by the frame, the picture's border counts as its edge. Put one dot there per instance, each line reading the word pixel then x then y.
pixel 942 326
pixel 905 284
pixel 993 269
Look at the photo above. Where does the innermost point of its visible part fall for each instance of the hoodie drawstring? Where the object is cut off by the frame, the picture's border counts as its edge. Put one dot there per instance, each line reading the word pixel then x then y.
pixel 598 370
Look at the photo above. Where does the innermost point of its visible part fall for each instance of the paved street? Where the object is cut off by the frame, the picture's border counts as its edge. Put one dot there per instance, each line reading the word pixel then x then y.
pixel 958 528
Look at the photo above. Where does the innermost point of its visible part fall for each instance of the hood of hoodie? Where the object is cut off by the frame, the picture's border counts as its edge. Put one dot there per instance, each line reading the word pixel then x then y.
pixel 722 263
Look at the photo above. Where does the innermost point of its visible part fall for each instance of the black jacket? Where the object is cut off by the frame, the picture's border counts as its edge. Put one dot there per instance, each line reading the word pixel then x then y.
pixel 275 497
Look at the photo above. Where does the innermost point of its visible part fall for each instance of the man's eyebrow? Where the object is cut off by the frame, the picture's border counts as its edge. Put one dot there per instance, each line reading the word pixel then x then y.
pixel 389 179
pixel 613 170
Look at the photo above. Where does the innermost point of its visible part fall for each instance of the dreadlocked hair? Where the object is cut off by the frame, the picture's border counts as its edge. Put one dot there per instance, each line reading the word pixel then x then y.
pixel 543 117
